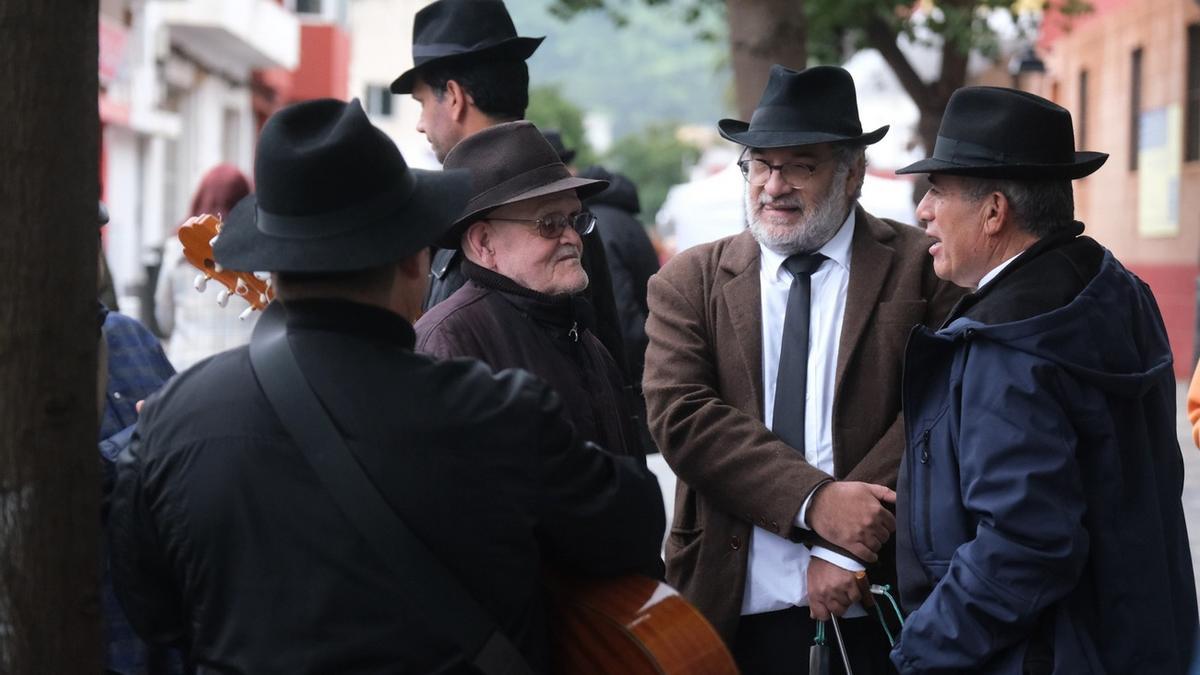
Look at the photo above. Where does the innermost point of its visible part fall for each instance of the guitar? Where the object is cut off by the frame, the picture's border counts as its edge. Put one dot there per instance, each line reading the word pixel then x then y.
pixel 629 625
pixel 197 236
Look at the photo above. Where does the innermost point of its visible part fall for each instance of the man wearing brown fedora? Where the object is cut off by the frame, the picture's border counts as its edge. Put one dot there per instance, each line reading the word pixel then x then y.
pixel 521 234
pixel 773 385
pixel 1039 524
pixel 301 504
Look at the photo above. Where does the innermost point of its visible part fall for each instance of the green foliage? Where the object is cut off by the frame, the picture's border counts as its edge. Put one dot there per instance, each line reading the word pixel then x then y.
pixel 549 109
pixel 654 159
pixel 836 28
pixel 651 70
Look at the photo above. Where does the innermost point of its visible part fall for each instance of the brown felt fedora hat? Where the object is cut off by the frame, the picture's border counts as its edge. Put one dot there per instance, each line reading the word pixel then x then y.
pixel 509 162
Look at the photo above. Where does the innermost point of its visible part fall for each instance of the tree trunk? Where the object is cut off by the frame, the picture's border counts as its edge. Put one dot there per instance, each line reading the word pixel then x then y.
pixel 49 467
pixel 763 33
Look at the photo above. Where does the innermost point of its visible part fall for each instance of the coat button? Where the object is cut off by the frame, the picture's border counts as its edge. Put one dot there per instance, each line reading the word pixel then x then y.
pixel 117 395
pixel 762 522
pixel 925 456
pixel 735 542
pixel 774 526
pixel 969 333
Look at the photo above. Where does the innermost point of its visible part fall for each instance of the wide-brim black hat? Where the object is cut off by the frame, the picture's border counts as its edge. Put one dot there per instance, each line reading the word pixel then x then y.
pixel 817 105
pixel 994 132
pixel 509 163
pixel 461 29
pixel 335 195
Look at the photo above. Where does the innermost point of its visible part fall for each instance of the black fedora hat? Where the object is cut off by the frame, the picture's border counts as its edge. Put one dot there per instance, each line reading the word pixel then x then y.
pixel 556 142
pixel 509 162
pixel 334 195
pixel 994 132
pixel 460 28
pixel 817 105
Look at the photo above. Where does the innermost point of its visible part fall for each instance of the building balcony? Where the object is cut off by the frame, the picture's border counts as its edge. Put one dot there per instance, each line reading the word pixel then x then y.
pixel 233 36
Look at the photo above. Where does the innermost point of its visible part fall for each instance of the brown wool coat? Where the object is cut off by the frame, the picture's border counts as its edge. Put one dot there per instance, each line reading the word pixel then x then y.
pixel 703 385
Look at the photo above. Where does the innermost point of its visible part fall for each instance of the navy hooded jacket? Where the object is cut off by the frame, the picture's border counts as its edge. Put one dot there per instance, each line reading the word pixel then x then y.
pixel 1039 522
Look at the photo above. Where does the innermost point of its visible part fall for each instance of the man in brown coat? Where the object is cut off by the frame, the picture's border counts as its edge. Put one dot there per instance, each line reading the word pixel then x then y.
pixel 773 385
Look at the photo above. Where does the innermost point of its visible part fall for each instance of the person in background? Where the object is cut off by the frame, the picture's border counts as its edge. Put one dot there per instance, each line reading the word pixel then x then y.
pixel 132 366
pixel 195 325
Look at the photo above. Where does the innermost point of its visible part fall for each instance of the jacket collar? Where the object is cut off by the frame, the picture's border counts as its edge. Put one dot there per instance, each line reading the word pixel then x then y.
pixel 352 318
pixel 564 312
pixel 872 256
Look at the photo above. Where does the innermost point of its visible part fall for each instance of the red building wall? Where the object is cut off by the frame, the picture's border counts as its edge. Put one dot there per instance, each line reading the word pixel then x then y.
pixel 324 69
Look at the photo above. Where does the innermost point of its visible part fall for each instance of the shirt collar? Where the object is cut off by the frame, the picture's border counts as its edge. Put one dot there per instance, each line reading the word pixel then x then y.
pixel 836 249
pixel 995 271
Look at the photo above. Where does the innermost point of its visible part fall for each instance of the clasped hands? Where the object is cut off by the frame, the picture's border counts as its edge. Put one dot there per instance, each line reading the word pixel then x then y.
pixel 852 516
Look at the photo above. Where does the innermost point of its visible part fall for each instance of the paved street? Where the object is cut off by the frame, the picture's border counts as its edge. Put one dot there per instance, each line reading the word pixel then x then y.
pixel 1191 488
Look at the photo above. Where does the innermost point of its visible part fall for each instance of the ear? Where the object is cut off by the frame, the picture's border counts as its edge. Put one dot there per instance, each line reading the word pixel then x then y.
pixel 459 101
pixel 995 213
pixel 478 244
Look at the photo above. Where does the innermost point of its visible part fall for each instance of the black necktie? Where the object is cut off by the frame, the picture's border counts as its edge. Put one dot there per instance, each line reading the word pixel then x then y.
pixel 791 383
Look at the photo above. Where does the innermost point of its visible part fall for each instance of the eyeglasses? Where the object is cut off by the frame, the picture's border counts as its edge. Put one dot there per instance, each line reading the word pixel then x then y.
pixel 553 225
pixel 796 174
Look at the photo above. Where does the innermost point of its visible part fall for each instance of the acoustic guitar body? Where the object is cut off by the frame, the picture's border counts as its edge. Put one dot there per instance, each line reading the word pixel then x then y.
pixel 631 625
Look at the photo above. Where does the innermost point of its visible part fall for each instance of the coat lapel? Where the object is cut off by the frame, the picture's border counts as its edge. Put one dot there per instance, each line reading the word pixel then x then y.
pixel 870 262
pixel 741 293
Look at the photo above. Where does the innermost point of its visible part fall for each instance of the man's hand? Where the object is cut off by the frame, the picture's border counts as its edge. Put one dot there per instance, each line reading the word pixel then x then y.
pixel 832 590
pixel 852 516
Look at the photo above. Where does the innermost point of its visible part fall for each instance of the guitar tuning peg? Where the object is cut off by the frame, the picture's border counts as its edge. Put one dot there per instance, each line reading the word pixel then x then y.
pixel 213 242
pixel 217 267
pixel 223 297
pixel 201 282
pixel 262 297
pixel 241 287
pixel 263 276
pixel 246 313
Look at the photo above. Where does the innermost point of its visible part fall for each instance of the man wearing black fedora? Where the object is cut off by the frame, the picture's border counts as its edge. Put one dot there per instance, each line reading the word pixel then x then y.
pixel 773 384
pixel 242 538
pixel 521 234
pixel 1039 523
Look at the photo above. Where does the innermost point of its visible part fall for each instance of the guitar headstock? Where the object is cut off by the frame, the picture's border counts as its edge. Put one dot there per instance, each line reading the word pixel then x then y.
pixel 197 236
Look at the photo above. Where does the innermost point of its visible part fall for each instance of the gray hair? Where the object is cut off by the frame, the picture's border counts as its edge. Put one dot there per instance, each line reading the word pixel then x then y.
pixel 850 157
pixel 1039 207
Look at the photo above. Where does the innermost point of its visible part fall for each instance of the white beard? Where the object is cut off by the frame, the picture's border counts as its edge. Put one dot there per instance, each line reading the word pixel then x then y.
pixel 818 222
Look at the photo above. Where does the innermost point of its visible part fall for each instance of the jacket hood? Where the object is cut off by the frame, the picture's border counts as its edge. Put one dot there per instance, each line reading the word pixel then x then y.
pixel 621 192
pixel 1111 335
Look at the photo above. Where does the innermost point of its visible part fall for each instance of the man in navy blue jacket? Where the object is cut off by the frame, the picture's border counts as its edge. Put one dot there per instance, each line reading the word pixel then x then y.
pixel 1039 522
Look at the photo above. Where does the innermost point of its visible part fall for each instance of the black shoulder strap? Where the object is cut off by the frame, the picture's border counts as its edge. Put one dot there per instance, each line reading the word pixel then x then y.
pixel 452 611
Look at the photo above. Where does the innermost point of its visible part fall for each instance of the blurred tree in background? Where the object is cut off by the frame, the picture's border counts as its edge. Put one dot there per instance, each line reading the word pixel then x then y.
pixel 762 32
pixel 654 159
pixel 549 109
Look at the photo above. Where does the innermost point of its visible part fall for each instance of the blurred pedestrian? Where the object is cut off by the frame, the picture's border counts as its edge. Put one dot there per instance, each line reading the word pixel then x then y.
pixel 193 323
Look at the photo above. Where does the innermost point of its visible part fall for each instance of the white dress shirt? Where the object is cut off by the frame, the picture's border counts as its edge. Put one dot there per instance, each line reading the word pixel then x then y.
pixel 777 577
pixel 995 272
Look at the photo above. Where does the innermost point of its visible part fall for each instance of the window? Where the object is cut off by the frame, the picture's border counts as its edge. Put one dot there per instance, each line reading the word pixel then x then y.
pixel 1191 136
pixel 308 6
pixel 379 100
pixel 1083 109
pixel 1135 106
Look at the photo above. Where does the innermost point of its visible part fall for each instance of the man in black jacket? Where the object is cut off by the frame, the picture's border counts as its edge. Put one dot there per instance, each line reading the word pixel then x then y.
pixel 225 541
pixel 521 233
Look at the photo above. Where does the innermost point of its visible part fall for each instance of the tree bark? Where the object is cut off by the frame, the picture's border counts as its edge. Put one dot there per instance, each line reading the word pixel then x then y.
pixel 763 33
pixel 49 467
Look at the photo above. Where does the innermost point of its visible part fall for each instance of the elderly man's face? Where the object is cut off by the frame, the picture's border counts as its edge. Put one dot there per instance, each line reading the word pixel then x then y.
pixel 955 219
pixel 550 266
pixel 800 212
